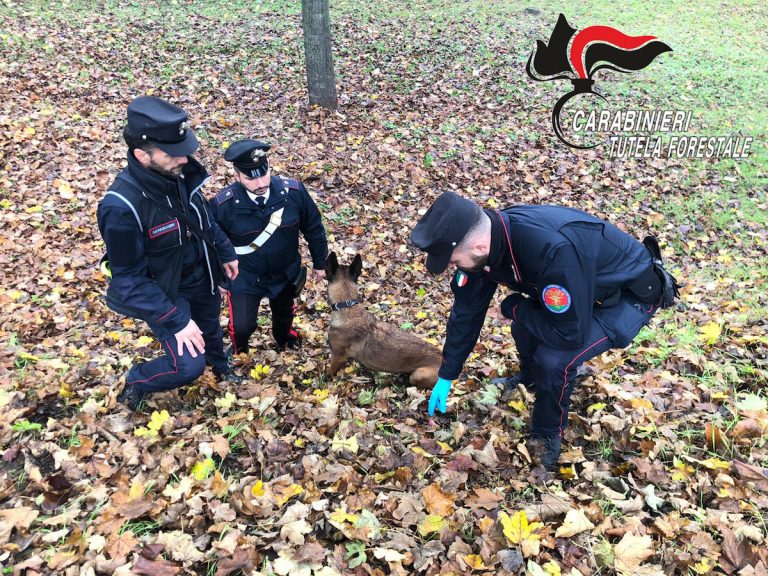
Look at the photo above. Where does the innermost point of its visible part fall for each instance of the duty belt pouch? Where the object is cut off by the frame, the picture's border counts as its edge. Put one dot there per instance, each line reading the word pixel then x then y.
pixel 647 288
pixel 299 281
pixel 670 289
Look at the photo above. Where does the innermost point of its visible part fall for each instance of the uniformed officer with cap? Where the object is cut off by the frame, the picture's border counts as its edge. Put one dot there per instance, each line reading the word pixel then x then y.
pixel 165 252
pixel 263 216
pixel 579 286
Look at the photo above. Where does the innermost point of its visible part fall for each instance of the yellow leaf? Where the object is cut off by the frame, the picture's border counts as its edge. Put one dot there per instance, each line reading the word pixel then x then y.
pixel 715 464
pixel 339 444
pixel 595 407
pixel 136 490
pixel 15 294
pixel 518 531
pixel 225 403
pixel 421 452
pixel 65 390
pixel 492 202
pixel 638 403
pixel 28 357
pixel 299 443
pixel 552 568
pixel 475 562
pixel 259 371
pixel 432 523
pixel 144 341
pixel 518 405
pixel 258 489
pixel 33 209
pixel 421 314
pixel 201 470
pixel 285 494
pixel 157 420
pixel 321 394
pixel 710 332
pixel 29 131
pixel 339 516
pixel 445 448
pixel 703 567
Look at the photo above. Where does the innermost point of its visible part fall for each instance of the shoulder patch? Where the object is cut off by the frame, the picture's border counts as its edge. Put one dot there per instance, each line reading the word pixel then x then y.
pixel 224 196
pixel 461 279
pixel 291 183
pixel 556 298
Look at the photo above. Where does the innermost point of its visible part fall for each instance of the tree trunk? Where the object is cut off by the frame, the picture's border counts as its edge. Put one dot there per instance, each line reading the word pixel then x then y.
pixel 321 79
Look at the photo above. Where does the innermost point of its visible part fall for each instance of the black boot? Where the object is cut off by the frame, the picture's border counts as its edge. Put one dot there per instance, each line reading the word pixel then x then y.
pixel 546 449
pixel 132 397
pixel 228 376
pixel 293 342
pixel 512 382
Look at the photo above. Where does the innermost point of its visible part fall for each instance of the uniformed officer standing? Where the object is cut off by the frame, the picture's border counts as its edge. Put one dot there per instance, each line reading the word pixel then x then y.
pixel 263 216
pixel 165 251
pixel 580 287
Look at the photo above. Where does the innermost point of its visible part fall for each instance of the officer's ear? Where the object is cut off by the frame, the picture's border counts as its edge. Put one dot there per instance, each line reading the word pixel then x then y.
pixel 356 268
pixel 331 266
pixel 142 156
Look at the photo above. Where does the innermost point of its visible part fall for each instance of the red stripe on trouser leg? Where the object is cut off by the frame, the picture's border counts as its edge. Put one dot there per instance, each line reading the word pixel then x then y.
pixel 231 325
pixel 565 377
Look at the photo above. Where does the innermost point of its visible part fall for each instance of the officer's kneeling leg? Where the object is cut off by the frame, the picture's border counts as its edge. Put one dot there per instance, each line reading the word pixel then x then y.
pixel 555 378
pixel 168 371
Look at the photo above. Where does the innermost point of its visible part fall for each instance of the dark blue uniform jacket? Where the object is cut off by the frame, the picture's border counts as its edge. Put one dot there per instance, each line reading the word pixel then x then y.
pixel 268 270
pixel 562 259
pixel 148 248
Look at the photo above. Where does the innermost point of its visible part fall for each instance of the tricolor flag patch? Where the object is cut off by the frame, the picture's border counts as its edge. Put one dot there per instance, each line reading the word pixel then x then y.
pixel 461 279
pixel 556 298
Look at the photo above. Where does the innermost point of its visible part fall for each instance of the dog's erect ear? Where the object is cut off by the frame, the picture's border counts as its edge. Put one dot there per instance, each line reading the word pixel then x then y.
pixel 331 266
pixel 356 267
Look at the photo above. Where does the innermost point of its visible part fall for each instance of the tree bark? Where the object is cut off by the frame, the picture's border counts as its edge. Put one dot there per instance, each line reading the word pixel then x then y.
pixel 321 80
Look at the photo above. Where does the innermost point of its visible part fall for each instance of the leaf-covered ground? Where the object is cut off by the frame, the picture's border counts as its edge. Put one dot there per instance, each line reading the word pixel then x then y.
pixel 665 468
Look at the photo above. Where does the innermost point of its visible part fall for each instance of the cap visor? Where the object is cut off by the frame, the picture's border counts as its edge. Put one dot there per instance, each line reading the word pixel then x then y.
pixel 437 263
pixel 183 148
pixel 255 172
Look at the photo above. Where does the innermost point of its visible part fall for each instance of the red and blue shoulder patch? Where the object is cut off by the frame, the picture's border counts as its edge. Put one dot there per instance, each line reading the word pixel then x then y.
pixel 556 298
pixel 225 195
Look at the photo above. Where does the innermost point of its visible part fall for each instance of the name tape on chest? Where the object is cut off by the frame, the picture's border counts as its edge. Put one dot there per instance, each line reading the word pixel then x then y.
pixel 164 228
pixel 274 223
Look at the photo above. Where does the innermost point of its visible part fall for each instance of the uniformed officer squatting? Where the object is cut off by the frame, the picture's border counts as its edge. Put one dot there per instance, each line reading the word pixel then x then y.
pixel 571 275
pixel 263 216
pixel 161 271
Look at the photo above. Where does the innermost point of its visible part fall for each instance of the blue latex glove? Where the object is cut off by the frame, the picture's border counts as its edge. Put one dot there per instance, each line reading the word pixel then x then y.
pixel 439 395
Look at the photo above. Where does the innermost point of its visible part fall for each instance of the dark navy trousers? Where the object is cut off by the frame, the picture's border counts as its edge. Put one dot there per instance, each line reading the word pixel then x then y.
pixel 244 318
pixel 173 370
pixel 553 370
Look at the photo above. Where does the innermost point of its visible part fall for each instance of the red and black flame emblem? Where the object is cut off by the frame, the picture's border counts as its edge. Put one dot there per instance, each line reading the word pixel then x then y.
pixel 576 56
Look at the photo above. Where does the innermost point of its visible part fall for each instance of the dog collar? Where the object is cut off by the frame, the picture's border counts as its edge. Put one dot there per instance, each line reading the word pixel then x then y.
pixel 345 304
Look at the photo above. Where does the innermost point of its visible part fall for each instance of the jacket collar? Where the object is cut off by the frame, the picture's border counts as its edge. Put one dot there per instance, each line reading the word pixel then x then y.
pixel 154 183
pixel 502 253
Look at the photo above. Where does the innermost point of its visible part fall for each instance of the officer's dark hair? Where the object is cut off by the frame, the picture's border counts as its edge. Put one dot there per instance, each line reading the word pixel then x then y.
pixel 136 142
pixel 477 225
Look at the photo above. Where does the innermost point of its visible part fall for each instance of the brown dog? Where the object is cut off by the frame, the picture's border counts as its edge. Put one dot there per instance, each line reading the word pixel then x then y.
pixel 356 334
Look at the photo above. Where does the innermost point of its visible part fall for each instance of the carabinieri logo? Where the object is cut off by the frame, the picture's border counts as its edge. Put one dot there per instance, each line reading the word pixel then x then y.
pixel 591 49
